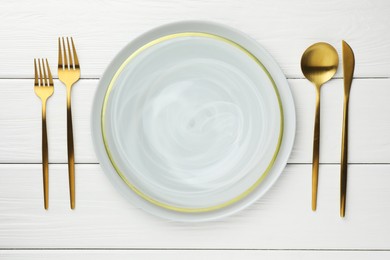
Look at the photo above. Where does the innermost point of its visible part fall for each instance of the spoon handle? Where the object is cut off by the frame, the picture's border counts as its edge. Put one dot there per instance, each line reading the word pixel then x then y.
pixel 316 152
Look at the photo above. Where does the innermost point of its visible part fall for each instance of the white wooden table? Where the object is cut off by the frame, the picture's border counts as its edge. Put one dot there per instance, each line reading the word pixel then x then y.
pixel 281 225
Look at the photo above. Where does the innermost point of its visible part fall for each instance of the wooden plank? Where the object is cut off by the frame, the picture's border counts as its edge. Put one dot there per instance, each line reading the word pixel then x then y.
pixel 282 219
pixel 101 28
pixel 190 254
pixel 20 122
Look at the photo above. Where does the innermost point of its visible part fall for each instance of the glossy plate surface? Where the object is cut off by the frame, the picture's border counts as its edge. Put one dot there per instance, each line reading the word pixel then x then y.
pixel 191 123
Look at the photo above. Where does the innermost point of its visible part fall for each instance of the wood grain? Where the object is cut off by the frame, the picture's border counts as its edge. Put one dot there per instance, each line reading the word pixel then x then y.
pixel 102 27
pixel 369 122
pixel 282 219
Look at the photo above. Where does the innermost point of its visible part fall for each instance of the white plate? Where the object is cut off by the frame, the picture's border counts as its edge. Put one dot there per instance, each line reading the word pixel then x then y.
pixel 193 121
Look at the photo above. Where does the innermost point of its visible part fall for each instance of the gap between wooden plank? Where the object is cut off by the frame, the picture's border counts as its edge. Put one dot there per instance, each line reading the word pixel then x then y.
pixel 98 78
pixel 196 249
pixel 87 163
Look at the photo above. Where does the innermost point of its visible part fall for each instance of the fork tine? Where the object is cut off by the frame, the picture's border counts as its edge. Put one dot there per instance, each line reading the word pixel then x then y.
pixel 71 65
pixel 40 72
pixel 65 57
pixel 49 73
pixel 59 54
pixel 44 73
pixel 76 60
pixel 36 73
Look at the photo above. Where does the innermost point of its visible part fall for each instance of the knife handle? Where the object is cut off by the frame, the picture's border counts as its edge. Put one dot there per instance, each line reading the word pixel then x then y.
pixel 344 158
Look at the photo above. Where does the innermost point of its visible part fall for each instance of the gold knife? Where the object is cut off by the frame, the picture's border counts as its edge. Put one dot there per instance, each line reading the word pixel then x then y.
pixel 348 68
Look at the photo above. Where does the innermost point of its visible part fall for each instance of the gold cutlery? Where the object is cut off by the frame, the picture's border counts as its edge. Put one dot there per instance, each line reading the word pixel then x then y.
pixel 44 88
pixel 319 64
pixel 348 69
pixel 69 73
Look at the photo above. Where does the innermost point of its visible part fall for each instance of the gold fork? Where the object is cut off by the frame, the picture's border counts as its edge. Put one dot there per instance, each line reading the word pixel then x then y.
pixel 44 88
pixel 69 73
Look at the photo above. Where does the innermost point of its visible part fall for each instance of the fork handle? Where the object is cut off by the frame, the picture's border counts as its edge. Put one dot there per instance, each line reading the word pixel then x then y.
pixel 70 151
pixel 45 158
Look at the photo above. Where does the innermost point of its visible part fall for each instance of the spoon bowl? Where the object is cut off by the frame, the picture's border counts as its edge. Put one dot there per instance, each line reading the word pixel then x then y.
pixel 319 64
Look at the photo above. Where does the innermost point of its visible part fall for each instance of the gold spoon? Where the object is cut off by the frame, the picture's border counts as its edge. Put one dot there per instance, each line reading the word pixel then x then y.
pixel 319 64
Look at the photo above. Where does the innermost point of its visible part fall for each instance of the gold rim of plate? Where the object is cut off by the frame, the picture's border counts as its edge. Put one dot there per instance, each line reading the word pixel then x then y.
pixel 155 201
